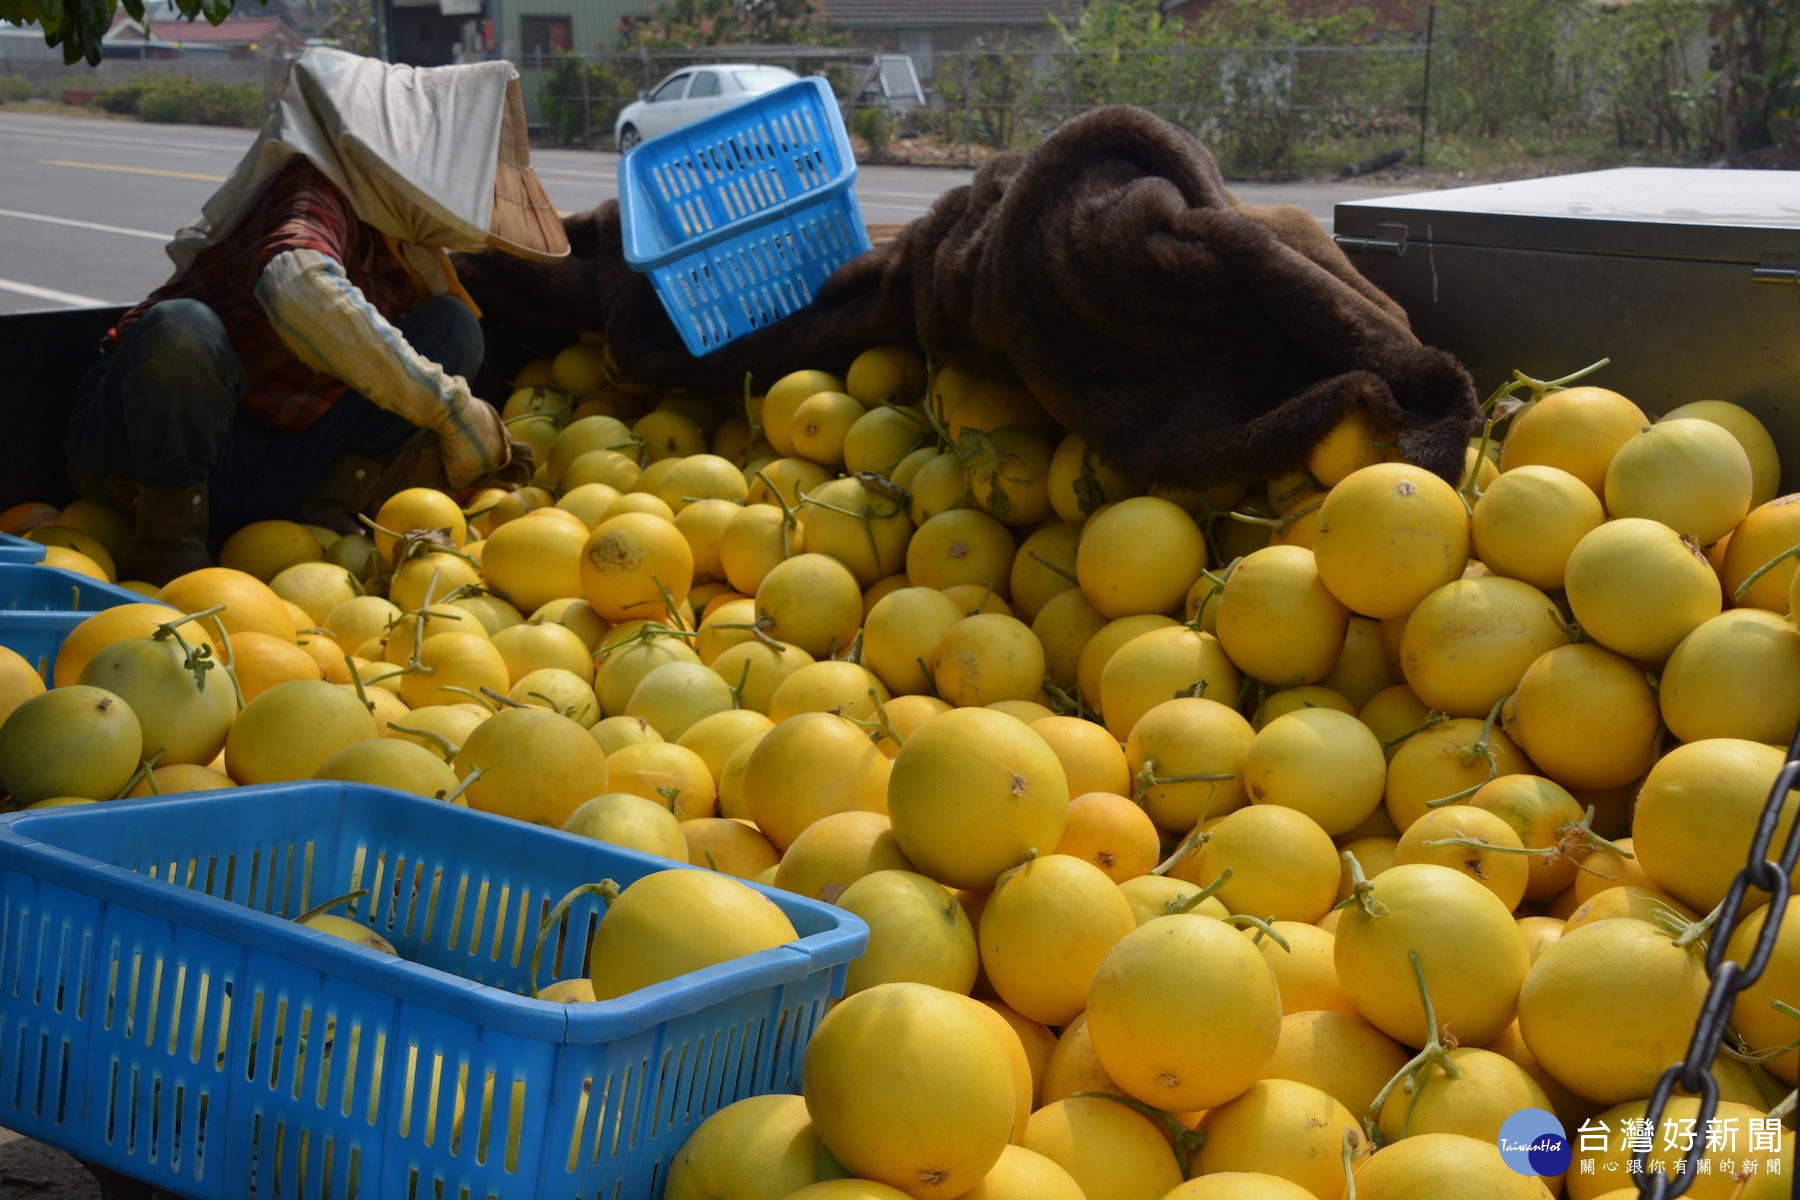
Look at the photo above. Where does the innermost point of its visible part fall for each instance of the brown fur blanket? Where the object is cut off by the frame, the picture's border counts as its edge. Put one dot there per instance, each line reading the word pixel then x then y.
pixel 1186 336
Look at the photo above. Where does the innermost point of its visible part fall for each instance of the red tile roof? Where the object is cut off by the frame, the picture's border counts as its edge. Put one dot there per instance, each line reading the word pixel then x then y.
pixel 890 14
pixel 233 32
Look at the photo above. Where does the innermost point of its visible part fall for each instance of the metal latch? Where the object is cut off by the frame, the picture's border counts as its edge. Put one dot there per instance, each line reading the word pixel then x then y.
pixel 1780 264
pixel 1394 243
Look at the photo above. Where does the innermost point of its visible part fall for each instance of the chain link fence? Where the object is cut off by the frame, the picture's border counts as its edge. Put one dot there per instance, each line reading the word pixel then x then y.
pixel 1263 110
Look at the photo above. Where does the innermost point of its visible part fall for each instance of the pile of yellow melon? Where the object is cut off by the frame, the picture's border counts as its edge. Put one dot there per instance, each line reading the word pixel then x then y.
pixel 1290 834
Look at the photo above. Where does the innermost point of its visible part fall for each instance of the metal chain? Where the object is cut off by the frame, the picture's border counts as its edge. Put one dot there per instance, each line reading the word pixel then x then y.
pixel 1694 1073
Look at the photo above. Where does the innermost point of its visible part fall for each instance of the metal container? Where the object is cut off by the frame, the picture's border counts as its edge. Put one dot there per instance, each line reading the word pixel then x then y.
pixel 1689 280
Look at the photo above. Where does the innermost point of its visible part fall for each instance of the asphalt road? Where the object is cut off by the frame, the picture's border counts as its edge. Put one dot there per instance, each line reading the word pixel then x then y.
pixel 86 204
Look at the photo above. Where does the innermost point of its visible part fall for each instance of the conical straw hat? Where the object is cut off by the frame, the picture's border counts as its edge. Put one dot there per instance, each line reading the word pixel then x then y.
pixel 525 223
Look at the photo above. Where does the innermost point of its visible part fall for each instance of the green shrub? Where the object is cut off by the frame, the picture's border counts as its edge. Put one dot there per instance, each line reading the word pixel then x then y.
pixel 874 126
pixel 178 100
pixel 569 112
pixel 14 89
pixel 121 100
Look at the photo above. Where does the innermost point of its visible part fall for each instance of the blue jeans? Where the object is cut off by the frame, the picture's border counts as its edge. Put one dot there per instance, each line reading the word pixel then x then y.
pixel 163 409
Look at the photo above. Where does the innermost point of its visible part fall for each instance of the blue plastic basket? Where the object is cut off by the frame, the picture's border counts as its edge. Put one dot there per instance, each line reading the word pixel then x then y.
pixel 20 550
pixel 337 1072
pixel 40 605
pixel 739 217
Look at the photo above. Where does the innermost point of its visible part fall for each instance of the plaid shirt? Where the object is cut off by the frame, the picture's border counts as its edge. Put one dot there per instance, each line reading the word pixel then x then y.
pixel 300 210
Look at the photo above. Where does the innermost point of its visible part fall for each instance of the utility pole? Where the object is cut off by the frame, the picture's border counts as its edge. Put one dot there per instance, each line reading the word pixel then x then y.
pixel 1425 102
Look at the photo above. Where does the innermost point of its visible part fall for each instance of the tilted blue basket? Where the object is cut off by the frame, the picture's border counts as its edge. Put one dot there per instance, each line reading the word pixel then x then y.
pixel 20 550
pixel 741 216
pixel 39 606
pixel 162 1015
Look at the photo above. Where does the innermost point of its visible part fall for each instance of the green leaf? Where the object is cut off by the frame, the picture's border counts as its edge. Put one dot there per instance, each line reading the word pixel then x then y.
pixel 216 11
pixel 1089 495
pixel 95 17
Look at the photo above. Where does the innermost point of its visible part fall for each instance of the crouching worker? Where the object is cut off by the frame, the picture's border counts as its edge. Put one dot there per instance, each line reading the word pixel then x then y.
pixel 312 346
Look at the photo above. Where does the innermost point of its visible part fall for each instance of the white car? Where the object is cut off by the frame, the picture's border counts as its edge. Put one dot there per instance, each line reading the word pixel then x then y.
pixel 692 93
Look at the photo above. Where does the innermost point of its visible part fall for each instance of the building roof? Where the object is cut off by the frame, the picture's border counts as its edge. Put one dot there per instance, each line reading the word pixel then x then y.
pixel 891 14
pixel 234 31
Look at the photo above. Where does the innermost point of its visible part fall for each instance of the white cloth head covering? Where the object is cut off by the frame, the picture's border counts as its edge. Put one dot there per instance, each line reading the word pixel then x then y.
pixel 416 151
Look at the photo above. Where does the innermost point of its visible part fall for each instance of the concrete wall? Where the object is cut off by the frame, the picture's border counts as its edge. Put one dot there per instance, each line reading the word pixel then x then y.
pixel 50 75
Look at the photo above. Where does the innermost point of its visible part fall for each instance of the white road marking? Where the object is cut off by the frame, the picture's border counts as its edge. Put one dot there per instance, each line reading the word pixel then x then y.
pixel 59 134
pixel 98 228
pixel 43 293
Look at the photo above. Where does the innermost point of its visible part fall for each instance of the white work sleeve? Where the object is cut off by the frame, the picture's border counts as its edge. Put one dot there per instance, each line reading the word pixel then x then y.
pixel 327 321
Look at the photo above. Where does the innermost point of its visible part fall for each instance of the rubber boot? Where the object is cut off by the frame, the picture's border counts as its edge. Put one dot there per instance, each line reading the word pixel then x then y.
pixel 170 536
pixel 346 490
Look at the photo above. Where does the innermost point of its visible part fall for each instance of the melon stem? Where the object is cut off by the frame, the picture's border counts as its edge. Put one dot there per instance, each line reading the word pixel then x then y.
pixel 1785 1109
pixel 1756 1058
pixel 634 444
pixel 1481 747
pixel 1750 580
pixel 468 781
pixel 1263 926
pixel 357 683
pixel 1571 630
pixel 567 712
pixel 1068 575
pixel 1196 838
pixel 497 698
pixel 1187 904
pixel 1433 719
pixel 756 429
pixel 759 629
pixel 474 589
pixel 1350 1146
pixel 142 773
pixel 1212 593
pixel 606 889
pixel 319 910
pixel 884 726
pixel 1582 832
pixel 868 515
pixel 445 746
pixel 1308 483
pixel 224 634
pixel 1148 778
pixel 985 596
pixel 1696 930
pixel 1064 702
pixel 788 520
pixel 475 696
pixel 167 628
pixel 668 598
pixel 1539 387
pixel 1362 892
pixel 737 689
pixel 1468 488
pixel 199 661
pixel 1433 1053
pixel 1185 1140
pixel 644 633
